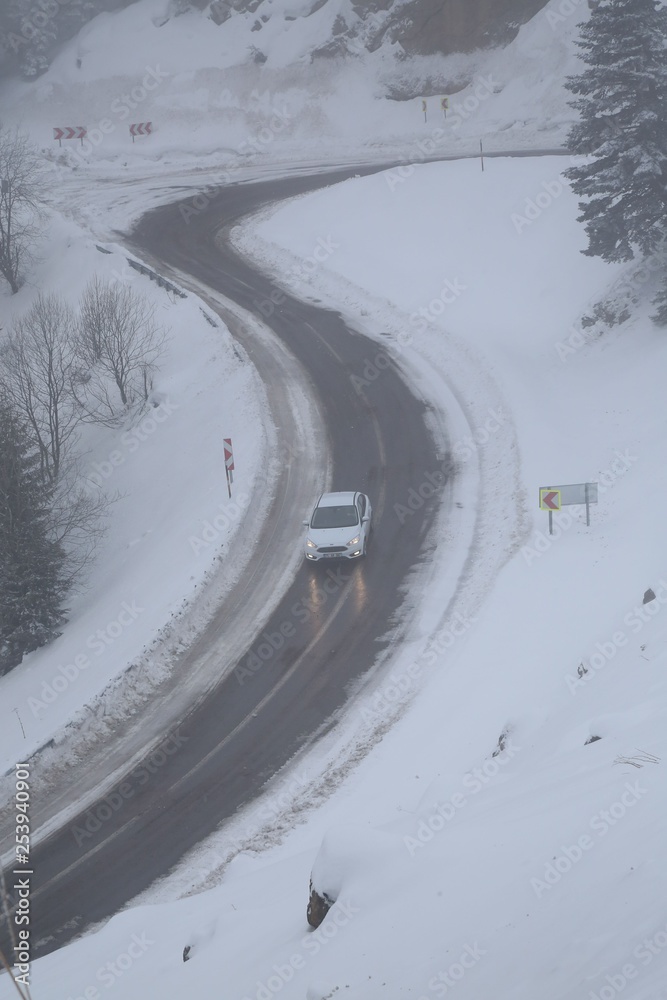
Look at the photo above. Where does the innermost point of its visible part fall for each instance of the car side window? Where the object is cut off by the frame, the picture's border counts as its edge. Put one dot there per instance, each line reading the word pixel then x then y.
pixel 361 504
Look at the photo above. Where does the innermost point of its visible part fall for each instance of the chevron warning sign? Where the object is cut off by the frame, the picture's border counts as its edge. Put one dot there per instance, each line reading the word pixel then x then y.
pixel 141 128
pixel 229 463
pixel 70 132
pixel 549 499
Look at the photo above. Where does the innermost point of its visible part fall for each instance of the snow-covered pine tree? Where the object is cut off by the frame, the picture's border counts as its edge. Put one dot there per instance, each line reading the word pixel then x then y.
pixel 32 579
pixel 622 104
pixel 660 301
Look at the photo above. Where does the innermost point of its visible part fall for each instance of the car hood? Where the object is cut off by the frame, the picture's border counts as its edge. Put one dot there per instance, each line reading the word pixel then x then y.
pixel 333 536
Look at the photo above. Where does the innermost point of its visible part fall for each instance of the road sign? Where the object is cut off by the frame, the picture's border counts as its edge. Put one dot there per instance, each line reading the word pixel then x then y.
pixel 577 493
pixel 549 499
pixel 554 497
pixel 70 132
pixel 229 464
pixel 141 128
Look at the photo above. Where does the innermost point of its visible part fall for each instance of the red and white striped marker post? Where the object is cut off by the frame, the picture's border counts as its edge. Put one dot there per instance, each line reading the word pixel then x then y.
pixel 229 464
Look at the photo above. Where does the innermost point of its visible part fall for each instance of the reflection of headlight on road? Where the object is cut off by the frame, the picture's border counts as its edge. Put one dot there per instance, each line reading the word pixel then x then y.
pixel 354 541
pixel 310 544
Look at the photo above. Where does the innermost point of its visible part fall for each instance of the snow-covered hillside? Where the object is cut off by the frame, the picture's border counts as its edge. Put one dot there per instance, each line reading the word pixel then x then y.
pixel 505 838
pixel 193 82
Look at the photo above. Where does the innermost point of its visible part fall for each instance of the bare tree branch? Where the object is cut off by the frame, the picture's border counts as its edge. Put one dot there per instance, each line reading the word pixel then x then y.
pixel 119 345
pixel 78 515
pixel 36 374
pixel 20 211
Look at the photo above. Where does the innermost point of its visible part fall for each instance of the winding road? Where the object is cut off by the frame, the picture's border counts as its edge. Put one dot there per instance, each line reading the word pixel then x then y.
pixel 323 636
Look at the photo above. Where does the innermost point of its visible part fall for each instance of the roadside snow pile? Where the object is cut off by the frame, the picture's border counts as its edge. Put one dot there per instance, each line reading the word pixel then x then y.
pixel 159 468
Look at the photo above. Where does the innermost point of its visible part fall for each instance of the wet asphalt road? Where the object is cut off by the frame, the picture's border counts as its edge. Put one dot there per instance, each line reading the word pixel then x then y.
pixel 327 628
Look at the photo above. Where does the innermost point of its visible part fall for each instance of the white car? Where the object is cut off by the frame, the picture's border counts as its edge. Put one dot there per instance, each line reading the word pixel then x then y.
pixel 339 527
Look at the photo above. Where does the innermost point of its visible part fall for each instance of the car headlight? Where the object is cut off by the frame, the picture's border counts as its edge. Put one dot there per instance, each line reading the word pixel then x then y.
pixel 310 544
pixel 355 540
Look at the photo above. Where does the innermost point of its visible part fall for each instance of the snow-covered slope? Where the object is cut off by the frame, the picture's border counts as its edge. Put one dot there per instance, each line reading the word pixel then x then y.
pixel 194 82
pixel 505 838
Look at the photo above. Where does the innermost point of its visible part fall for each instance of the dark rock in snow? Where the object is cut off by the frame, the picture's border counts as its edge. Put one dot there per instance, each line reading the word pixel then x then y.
pixel 318 907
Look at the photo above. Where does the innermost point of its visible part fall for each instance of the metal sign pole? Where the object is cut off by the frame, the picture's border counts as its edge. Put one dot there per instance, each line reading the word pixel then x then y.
pixel 588 506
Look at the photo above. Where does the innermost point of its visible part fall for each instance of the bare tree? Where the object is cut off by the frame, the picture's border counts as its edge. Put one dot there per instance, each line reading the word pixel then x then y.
pixel 78 516
pixel 119 345
pixel 20 213
pixel 36 366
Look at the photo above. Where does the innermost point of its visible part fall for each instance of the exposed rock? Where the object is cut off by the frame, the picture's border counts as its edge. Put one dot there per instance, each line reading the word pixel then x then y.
pixel 424 27
pixel 648 596
pixel 592 739
pixel 318 906
pixel 220 11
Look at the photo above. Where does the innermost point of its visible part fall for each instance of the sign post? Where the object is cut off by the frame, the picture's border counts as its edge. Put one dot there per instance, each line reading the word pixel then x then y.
pixel 444 104
pixel 554 497
pixel 424 108
pixel 70 132
pixel 229 464
pixel 141 128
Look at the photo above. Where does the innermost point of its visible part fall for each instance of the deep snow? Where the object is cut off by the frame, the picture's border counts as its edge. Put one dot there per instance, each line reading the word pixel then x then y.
pixel 537 871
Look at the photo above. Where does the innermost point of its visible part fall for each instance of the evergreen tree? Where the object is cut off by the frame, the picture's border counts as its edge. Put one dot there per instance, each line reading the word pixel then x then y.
pixel 32 580
pixel 660 301
pixel 623 128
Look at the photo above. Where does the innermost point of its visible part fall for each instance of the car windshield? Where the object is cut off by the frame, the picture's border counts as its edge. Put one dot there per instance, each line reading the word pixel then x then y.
pixel 335 517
